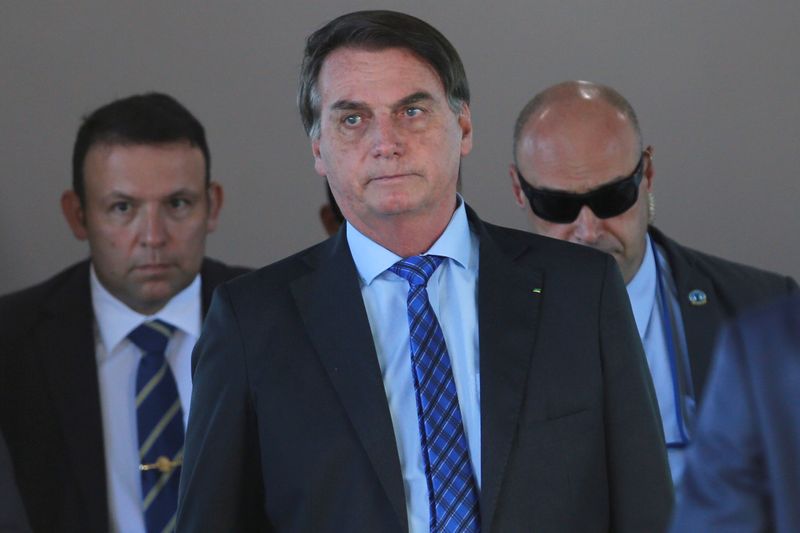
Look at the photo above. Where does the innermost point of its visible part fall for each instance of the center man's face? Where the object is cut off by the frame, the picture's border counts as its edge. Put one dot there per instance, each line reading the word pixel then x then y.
pixel 146 215
pixel 389 143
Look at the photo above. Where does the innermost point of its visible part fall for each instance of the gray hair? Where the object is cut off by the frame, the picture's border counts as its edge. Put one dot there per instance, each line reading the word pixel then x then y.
pixel 378 30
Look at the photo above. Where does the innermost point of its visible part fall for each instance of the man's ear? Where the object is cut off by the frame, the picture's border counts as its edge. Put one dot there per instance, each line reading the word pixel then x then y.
pixel 216 196
pixel 516 189
pixel 319 164
pixel 74 214
pixel 465 122
pixel 649 170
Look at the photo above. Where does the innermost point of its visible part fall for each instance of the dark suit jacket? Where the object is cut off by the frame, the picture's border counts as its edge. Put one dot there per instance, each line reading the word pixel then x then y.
pixel 49 398
pixel 730 288
pixel 12 513
pixel 742 472
pixel 290 428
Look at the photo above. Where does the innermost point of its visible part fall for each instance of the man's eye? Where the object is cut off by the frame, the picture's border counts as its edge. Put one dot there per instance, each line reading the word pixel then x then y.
pixel 352 120
pixel 121 207
pixel 413 111
pixel 177 203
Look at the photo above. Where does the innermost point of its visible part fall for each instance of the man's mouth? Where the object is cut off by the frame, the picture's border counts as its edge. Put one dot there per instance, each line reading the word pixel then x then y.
pixel 391 177
pixel 152 268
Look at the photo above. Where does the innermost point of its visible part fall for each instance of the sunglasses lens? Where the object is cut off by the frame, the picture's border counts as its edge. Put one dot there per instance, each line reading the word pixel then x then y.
pixel 614 200
pixel 558 209
pixel 607 201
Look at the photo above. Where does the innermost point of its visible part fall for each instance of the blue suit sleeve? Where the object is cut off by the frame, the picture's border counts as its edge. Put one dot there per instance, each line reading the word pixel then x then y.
pixel 724 488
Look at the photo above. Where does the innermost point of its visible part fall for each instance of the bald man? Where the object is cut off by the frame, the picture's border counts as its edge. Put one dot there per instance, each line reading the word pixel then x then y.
pixel 583 174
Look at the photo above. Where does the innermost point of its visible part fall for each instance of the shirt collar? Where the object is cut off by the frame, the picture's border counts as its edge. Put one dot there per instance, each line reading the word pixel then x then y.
pixel 642 289
pixel 115 320
pixel 372 259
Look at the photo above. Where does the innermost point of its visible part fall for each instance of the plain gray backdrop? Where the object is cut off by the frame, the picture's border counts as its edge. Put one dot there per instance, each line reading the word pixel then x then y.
pixel 715 83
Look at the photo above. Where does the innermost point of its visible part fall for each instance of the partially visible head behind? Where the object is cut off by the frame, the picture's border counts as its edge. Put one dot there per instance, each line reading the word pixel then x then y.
pixel 152 118
pixel 378 30
pixel 329 214
pixel 142 198
pixel 578 137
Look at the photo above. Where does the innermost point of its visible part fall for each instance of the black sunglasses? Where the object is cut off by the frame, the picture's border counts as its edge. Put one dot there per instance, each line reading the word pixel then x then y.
pixel 605 202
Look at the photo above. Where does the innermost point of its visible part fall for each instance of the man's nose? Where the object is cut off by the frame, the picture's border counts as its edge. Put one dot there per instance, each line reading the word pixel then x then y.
pixel 587 226
pixel 386 139
pixel 154 229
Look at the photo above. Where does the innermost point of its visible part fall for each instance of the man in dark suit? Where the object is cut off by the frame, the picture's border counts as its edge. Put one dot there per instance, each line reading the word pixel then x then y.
pixel 72 407
pixel 742 472
pixel 421 370
pixel 582 174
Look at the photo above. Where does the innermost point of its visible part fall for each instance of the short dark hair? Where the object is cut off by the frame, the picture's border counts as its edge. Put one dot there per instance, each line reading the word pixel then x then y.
pixel 152 118
pixel 378 30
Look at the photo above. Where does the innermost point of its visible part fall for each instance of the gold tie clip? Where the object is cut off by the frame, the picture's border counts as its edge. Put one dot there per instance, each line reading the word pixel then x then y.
pixel 163 464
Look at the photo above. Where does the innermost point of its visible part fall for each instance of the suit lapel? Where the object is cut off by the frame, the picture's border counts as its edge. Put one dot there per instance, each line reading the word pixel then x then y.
pixel 700 322
pixel 66 346
pixel 508 309
pixel 330 302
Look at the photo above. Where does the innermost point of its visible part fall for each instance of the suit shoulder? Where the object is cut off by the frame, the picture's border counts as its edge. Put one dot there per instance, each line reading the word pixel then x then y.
pixel 20 310
pixel 545 249
pixel 278 274
pixel 730 275
pixel 218 272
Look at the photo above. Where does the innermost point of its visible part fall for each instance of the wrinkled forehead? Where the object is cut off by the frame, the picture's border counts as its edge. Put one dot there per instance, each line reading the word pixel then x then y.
pixel 144 169
pixel 363 65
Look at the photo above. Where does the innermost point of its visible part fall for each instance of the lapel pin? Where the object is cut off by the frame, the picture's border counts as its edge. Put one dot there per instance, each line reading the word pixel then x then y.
pixel 537 290
pixel 698 297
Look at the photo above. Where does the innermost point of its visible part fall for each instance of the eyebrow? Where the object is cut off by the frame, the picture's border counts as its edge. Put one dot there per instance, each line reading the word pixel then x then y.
pixel 418 96
pixel 120 195
pixel 354 105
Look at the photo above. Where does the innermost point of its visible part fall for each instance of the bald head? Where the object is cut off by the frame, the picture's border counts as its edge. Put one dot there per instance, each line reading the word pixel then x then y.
pixel 577 137
pixel 578 100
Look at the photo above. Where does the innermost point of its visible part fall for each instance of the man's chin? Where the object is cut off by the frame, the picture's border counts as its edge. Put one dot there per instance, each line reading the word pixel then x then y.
pixel 153 294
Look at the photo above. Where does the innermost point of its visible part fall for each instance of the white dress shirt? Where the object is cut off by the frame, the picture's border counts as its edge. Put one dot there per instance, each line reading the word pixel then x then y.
pixel 117 363
pixel 452 291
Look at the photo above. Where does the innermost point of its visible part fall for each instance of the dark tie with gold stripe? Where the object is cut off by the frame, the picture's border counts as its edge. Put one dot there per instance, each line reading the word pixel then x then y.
pixel 160 426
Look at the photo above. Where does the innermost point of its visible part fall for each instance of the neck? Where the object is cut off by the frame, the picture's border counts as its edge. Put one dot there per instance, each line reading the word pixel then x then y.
pixel 407 235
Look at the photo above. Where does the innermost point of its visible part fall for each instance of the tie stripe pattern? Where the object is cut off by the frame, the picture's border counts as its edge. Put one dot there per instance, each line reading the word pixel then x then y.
pixel 452 490
pixel 159 420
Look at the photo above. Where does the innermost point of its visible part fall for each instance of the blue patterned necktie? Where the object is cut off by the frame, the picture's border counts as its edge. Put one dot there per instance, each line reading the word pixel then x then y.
pixel 160 427
pixel 452 490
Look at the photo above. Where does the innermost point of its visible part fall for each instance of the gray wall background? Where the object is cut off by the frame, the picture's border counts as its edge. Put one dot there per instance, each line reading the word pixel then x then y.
pixel 716 85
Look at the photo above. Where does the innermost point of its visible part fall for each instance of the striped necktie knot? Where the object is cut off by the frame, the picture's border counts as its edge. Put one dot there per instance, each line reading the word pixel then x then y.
pixel 152 336
pixel 417 269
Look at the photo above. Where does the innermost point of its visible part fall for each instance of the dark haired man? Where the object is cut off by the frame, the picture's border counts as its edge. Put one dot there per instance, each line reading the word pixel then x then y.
pixel 418 371
pixel 93 410
pixel 582 174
